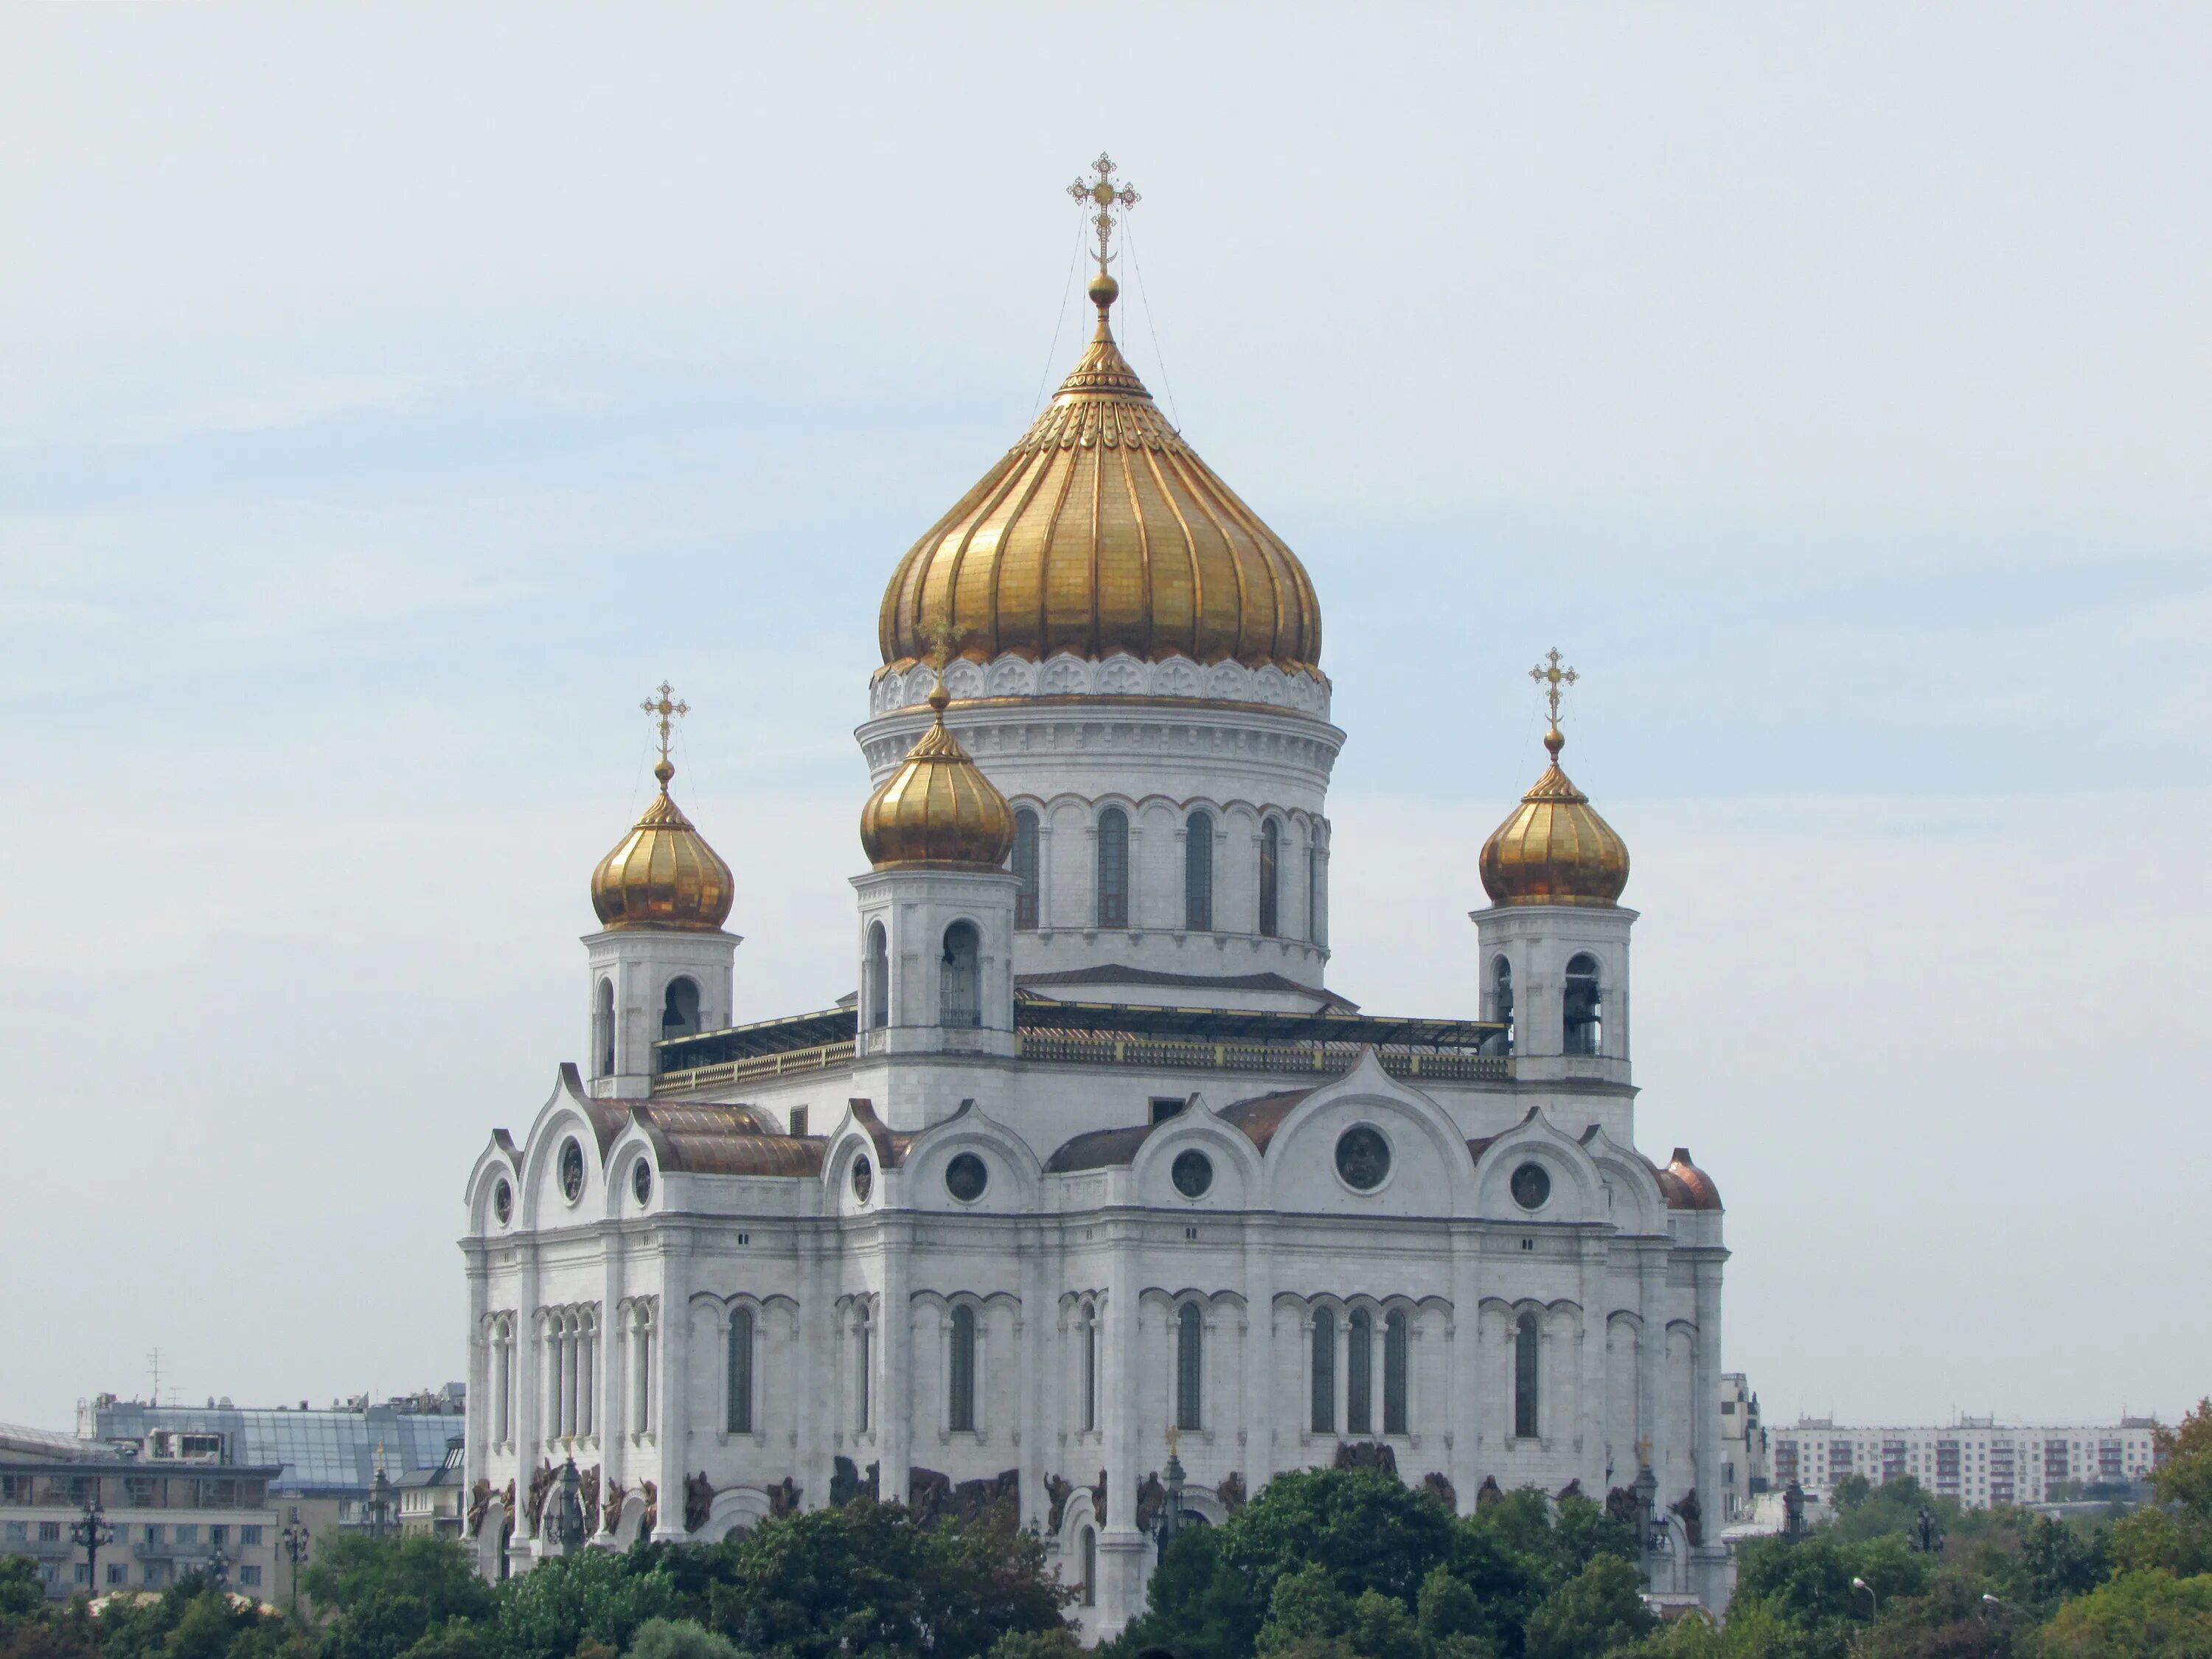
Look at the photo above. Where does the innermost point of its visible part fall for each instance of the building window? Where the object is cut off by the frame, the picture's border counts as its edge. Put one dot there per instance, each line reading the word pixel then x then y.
pixel 1499 995
pixel 1524 1376
pixel 741 1372
pixel 249 1576
pixel 1317 928
pixel 1025 867
pixel 1359 1375
pixel 1198 873
pixel 1271 850
pixel 1113 868
pixel 879 977
pixel 1393 1375
pixel 1089 1568
pixel 118 1573
pixel 1324 1371
pixel 679 1008
pixel 1089 1369
pixel 1189 1357
pixel 963 1390
pixel 862 1368
pixel 960 990
pixel 1581 1006
pixel 603 1028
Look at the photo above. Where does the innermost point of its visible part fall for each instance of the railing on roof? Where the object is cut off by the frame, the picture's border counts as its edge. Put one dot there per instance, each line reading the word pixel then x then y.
pixel 1147 1053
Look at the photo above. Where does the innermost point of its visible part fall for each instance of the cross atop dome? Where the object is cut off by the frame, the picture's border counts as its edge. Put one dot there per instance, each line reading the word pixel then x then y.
pixel 1546 673
pixel 1106 195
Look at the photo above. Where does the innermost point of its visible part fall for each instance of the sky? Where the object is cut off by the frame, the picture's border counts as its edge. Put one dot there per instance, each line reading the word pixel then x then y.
pixel 391 397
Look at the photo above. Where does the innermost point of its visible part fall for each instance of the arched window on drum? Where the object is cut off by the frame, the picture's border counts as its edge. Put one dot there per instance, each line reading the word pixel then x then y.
pixel 1025 868
pixel 1198 873
pixel 1582 1007
pixel 1270 860
pixel 603 1029
pixel 878 977
pixel 960 989
pixel 1113 905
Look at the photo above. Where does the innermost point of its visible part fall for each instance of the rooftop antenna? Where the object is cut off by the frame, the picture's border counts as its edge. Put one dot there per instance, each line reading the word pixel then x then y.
pixel 154 1364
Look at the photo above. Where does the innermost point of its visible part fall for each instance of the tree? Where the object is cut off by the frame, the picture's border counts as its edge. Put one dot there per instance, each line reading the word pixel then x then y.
pixel 1599 1610
pixel 1365 1527
pixel 2183 1474
pixel 684 1638
pixel 567 1601
pixel 2136 1615
pixel 387 1595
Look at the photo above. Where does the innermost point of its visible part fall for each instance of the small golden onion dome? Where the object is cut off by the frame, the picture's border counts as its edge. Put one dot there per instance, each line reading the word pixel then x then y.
pixel 938 808
pixel 663 874
pixel 1554 849
pixel 1686 1186
pixel 1101 531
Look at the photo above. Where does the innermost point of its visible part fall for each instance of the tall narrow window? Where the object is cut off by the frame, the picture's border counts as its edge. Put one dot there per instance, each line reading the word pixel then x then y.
pixel 1500 996
pixel 640 1414
pixel 1089 1370
pixel 1189 1356
pixel 1113 868
pixel 1198 873
pixel 1359 1375
pixel 863 1368
pixel 962 1413
pixel 741 1372
pixel 1089 1568
pixel 1271 858
pixel 1583 1006
pixel 1025 867
pixel 960 989
pixel 603 1028
pixel 879 977
pixel 1317 920
pixel 1324 1371
pixel 1394 1374
pixel 679 1008
pixel 1524 1376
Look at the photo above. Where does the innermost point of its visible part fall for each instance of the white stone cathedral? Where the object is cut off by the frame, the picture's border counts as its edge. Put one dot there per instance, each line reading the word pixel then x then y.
pixel 1093 1169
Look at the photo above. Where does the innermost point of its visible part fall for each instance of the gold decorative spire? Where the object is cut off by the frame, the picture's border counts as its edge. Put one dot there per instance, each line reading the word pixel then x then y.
pixel 663 873
pixel 938 808
pixel 1102 532
pixel 1554 849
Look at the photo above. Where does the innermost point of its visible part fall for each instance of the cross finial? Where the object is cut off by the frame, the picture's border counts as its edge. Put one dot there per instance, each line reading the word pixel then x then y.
pixel 941 640
pixel 1107 196
pixel 1175 1438
pixel 1549 674
pixel 665 711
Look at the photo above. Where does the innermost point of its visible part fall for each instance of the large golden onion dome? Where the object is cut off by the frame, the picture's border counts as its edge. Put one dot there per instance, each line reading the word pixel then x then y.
pixel 663 874
pixel 938 808
pixel 1555 849
pixel 1101 531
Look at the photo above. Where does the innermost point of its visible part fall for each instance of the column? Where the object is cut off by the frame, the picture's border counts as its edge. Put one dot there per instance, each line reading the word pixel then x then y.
pixel 891 1404
pixel 1033 1324
pixel 528 1389
pixel 1258 1453
pixel 1122 1548
pixel 1706 1407
pixel 1592 1291
pixel 671 1431
pixel 481 1424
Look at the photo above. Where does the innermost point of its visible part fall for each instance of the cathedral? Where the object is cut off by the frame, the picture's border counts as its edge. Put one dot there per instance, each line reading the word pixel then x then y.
pixel 1093 1205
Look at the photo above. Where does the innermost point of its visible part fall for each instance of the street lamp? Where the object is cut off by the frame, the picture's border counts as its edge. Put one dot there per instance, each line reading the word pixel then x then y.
pixel 1793 1511
pixel 1171 1522
pixel 92 1532
pixel 218 1568
pixel 1651 1526
pixel 1861 1585
pixel 1927 1533
pixel 381 1524
pixel 566 1521
pixel 295 1538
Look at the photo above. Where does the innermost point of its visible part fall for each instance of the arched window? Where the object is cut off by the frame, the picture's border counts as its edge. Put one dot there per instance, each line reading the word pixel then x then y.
pixel 1089 1568
pixel 1582 1007
pixel 879 977
pixel 1198 873
pixel 1025 867
pixel 962 1413
pixel 741 1372
pixel 1359 1375
pixel 1189 1340
pixel 1089 1369
pixel 1497 996
pixel 1317 914
pixel 1524 1376
pixel 1324 1371
pixel 1393 1375
pixel 863 1369
pixel 1113 868
pixel 960 989
pixel 1271 857
pixel 603 1029
pixel 679 1008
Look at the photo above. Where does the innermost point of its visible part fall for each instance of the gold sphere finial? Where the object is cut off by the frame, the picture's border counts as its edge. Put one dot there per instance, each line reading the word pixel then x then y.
pixel 1104 290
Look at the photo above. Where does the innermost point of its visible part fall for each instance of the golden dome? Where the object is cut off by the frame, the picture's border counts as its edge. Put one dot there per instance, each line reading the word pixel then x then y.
pixel 1554 849
pixel 663 874
pixel 1102 532
pixel 938 808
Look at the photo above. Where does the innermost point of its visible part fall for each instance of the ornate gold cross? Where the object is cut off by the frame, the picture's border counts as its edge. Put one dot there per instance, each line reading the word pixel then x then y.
pixel 665 713
pixel 1549 674
pixel 1102 191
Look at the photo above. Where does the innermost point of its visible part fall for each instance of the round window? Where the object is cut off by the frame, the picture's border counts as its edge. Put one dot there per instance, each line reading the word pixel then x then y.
pixel 641 1180
pixel 571 1170
pixel 1192 1172
pixel 864 1177
pixel 502 1203
pixel 1531 1186
pixel 1363 1156
pixel 965 1177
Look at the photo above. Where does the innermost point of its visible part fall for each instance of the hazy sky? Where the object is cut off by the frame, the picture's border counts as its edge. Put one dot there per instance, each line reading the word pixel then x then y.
pixel 389 397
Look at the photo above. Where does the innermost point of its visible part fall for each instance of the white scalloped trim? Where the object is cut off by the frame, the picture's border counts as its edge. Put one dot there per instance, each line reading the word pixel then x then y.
pixel 1117 676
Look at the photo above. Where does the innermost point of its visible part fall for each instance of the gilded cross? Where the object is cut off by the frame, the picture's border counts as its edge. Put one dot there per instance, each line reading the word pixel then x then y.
pixel 1107 196
pixel 1549 674
pixel 665 713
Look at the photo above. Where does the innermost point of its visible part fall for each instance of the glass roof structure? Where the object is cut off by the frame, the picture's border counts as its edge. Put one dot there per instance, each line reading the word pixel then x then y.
pixel 321 1451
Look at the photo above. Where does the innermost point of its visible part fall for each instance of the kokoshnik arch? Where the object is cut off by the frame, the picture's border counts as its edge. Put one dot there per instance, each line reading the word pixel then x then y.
pixel 1093 1155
